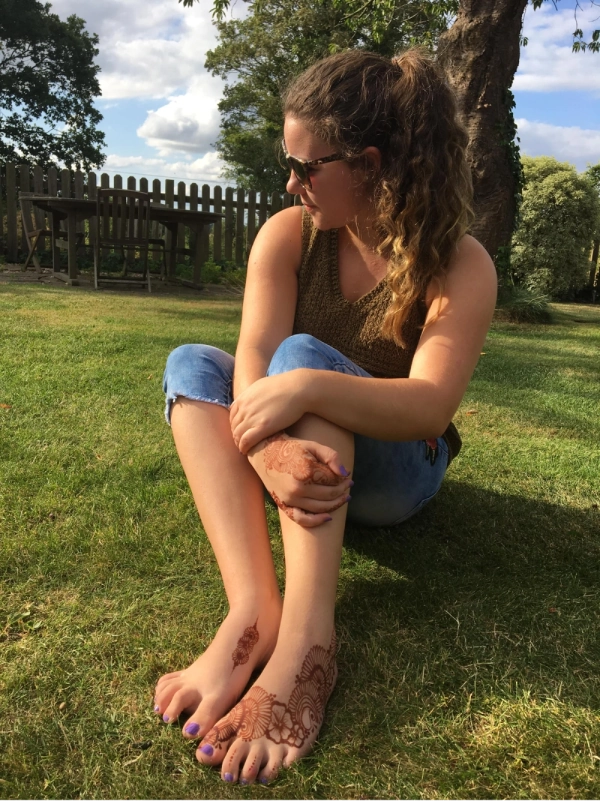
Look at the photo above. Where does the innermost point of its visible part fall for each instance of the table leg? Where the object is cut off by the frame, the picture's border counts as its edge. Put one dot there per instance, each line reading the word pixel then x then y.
pixel 72 241
pixel 172 254
pixel 55 248
pixel 197 280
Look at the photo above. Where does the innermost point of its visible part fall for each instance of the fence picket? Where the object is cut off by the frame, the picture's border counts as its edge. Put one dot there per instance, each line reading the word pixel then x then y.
pixel 228 239
pixel 218 225
pixel 24 187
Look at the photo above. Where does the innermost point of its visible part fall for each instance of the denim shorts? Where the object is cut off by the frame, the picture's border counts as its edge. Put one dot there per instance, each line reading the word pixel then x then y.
pixel 392 480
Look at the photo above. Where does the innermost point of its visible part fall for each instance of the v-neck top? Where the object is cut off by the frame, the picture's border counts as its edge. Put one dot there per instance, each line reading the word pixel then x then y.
pixel 353 327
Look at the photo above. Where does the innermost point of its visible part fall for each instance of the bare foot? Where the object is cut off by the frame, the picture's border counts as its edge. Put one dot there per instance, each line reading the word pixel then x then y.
pixel 214 682
pixel 279 719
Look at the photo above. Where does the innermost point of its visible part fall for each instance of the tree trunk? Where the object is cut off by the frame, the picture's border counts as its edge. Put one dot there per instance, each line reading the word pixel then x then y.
pixel 594 264
pixel 480 55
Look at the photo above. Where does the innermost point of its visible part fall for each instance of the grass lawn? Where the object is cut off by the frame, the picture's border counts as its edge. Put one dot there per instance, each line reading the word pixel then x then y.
pixel 469 637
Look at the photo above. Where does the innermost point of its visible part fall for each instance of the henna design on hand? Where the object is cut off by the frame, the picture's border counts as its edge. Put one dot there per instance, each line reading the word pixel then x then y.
pixel 245 645
pixel 289 510
pixel 258 714
pixel 288 456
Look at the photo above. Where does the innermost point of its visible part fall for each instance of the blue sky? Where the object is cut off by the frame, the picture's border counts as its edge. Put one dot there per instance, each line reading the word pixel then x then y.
pixel 160 105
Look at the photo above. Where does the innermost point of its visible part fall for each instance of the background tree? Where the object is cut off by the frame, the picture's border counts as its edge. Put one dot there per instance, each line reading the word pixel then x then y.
pixel 559 216
pixel 277 40
pixel 479 52
pixel 48 81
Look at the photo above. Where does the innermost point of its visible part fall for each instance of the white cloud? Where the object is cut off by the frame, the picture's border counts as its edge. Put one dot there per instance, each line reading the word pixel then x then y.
pixel 206 168
pixel 576 145
pixel 187 123
pixel 548 63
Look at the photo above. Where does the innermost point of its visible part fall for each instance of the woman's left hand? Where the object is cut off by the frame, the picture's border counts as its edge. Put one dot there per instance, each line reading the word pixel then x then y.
pixel 267 406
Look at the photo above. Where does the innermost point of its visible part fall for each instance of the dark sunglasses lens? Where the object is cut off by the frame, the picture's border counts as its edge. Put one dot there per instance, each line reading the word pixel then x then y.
pixel 299 170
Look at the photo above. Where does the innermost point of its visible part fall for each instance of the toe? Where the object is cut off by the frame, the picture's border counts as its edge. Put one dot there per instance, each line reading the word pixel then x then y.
pixel 183 699
pixel 257 757
pixel 203 718
pixel 273 766
pixel 236 755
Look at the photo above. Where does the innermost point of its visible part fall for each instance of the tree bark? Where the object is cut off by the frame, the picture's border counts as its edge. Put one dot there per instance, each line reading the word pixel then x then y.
pixel 480 55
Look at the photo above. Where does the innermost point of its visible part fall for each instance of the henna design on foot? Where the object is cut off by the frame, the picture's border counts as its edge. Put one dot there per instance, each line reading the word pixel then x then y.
pixel 258 714
pixel 245 645
pixel 288 456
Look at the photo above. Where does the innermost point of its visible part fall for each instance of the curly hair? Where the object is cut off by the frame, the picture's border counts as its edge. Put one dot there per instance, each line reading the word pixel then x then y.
pixel 423 191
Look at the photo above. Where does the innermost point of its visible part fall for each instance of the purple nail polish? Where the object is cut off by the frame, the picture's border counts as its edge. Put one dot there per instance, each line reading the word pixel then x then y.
pixel 207 749
pixel 264 780
pixel 166 718
pixel 349 498
pixel 328 519
pixel 351 484
pixel 228 777
pixel 192 728
pixel 157 708
pixel 343 471
pixel 244 781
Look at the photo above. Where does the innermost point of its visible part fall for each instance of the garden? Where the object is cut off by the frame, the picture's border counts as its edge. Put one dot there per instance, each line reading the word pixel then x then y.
pixel 469 636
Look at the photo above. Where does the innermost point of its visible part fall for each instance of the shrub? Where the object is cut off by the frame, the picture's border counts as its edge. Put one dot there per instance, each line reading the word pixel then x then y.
pixel 520 305
pixel 559 217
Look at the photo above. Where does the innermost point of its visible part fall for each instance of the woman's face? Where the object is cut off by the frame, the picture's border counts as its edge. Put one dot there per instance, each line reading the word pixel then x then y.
pixel 337 196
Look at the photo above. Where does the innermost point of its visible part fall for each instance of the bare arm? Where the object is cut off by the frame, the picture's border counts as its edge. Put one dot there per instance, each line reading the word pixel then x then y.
pixel 418 407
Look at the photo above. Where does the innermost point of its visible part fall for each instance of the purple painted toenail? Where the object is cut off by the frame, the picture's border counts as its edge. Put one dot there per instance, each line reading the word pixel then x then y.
pixel 166 718
pixel 192 728
pixel 207 749
pixel 264 780
pixel 228 777
pixel 157 708
pixel 244 781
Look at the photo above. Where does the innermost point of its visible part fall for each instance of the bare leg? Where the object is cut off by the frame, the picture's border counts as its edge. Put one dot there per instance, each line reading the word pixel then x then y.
pixel 279 718
pixel 230 500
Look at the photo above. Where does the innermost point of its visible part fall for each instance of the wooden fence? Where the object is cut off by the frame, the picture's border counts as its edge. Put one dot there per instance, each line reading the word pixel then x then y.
pixel 229 239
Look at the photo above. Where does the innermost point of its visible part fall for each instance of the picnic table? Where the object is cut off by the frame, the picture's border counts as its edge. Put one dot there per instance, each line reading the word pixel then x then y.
pixel 75 210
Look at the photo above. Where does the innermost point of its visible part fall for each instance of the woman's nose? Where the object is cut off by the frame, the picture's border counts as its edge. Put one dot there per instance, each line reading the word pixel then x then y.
pixel 293 186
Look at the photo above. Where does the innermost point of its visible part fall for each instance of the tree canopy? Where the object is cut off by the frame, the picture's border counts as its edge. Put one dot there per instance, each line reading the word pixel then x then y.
pixel 48 81
pixel 279 39
pixel 560 215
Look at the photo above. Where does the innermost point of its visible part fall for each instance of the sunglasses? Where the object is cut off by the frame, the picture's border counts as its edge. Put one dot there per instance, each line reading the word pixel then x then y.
pixel 301 167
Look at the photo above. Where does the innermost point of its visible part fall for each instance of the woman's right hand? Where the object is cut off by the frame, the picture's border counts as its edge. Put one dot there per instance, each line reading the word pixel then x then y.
pixel 306 480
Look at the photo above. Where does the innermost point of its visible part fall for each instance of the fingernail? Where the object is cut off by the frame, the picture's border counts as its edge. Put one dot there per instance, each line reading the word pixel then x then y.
pixel 328 519
pixel 157 708
pixel 166 718
pixel 351 484
pixel 207 749
pixel 228 777
pixel 349 498
pixel 343 471
pixel 244 781
pixel 192 728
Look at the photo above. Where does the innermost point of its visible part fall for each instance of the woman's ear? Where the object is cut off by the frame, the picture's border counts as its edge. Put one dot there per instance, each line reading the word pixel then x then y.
pixel 372 156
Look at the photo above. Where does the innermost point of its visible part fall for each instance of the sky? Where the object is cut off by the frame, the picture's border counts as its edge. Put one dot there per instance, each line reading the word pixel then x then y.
pixel 160 104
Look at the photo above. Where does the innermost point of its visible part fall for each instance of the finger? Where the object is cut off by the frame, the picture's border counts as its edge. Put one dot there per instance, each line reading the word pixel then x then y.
pixel 300 516
pixel 323 507
pixel 328 457
pixel 248 439
pixel 321 492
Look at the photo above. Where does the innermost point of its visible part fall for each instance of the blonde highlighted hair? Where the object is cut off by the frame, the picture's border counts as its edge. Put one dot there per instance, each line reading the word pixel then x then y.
pixel 422 192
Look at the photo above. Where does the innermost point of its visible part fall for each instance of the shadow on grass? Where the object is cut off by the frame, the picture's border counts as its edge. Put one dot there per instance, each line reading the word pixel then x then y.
pixel 481 593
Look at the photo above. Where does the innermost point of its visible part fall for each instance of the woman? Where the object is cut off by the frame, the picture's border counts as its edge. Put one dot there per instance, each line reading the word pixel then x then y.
pixel 364 315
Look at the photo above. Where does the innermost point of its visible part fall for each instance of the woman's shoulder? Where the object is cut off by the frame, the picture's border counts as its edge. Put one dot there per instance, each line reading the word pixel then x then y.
pixel 470 270
pixel 279 240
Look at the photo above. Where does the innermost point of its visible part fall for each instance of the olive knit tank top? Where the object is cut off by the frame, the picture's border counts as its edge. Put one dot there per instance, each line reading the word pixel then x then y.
pixel 354 328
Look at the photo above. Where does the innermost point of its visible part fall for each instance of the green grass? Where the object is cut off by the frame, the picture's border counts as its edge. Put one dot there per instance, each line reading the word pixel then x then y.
pixel 469 637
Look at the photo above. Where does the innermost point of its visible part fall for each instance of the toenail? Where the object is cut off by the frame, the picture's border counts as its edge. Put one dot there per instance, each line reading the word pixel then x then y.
pixel 244 781
pixel 192 728
pixel 157 708
pixel 264 780
pixel 207 749
pixel 228 777
pixel 166 718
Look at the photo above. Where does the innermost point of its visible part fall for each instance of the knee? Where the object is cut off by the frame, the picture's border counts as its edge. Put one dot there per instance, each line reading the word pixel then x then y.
pixel 300 350
pixel 189 361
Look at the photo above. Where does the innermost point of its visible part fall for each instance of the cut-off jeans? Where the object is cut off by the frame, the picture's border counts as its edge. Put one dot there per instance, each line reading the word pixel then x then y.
pixel 392 480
